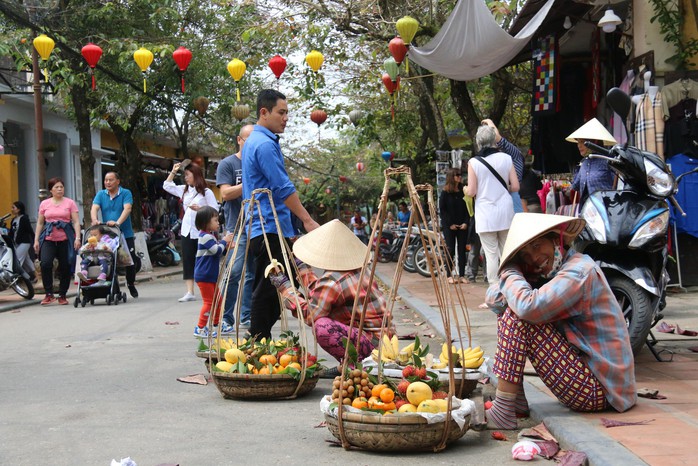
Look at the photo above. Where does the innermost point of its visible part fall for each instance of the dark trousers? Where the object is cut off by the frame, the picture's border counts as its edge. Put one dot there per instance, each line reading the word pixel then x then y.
pixel 51 250
pixel 266 308
pixel 455 242
pixel 189 247
pixel 131 269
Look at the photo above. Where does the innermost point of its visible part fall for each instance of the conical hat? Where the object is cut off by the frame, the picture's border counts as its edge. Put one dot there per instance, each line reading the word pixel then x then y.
pixel 594 130
pixel 333 246
pixel 528 226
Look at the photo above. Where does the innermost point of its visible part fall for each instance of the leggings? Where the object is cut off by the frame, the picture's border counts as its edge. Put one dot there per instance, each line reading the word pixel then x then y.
pixel 329 335
pixel 189 247
pixel 207 292
pixel 555 360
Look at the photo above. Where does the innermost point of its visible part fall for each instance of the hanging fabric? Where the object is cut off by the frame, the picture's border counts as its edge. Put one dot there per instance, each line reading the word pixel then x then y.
pixel 471 44
pixel 545 76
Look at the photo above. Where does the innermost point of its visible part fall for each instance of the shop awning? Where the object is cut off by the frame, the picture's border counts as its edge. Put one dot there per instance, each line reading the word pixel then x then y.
pixel 471 44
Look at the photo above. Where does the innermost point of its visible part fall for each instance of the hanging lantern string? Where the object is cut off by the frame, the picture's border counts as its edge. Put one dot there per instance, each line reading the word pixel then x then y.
pixel 144 89
pixel 181 74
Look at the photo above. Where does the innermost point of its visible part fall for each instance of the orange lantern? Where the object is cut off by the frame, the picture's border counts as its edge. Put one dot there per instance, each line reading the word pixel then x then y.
pixel 306 180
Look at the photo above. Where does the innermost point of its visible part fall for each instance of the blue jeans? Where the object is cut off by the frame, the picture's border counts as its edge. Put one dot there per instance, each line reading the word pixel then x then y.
pixel 516 199
pixel 234 282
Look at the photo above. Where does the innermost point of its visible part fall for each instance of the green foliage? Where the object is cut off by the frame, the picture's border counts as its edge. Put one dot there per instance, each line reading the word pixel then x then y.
pixel 671 19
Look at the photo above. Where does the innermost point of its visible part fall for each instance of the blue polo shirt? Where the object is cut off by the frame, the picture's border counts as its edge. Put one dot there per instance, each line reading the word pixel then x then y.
pixel 263 167
pixel 112 208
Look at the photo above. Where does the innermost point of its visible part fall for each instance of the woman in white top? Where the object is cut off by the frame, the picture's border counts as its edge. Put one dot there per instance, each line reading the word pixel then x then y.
pixel 194 195
pixel 494 208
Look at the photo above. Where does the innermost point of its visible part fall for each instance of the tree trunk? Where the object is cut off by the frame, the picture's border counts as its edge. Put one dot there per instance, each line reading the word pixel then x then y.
pixel 80 98
pixel 129 166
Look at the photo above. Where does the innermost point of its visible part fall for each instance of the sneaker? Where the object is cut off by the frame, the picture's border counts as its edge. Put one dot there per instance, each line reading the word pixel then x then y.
pixel 202 332
pixel 62 301
pixel 187 297
pixel 82 275
pixel 226 328
pixel 329 372
pixel 245 323
pixel 134 292
pixel 49 299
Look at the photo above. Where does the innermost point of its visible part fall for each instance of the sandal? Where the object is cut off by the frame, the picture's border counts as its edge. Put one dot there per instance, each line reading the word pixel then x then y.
pixel 464 280
pixel 450 280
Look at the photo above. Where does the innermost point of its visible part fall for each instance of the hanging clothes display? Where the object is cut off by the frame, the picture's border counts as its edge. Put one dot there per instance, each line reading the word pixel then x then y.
pixel 619 131
pixel 679 101
pixel 649 123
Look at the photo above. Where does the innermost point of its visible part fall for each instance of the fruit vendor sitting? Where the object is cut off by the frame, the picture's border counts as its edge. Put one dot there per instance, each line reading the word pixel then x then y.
pixel 334 248
pixel 555 307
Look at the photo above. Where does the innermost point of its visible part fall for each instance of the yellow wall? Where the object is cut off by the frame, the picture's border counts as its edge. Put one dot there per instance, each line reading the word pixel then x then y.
pixel 9 182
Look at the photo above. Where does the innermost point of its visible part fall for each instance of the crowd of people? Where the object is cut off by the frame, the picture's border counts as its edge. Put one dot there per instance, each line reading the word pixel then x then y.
pixel 553 305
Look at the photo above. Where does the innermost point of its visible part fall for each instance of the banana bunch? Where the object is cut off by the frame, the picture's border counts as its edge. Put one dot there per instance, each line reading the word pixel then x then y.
pixel 405 354
pixel 222 344
pixel 389 349
pixel 469 358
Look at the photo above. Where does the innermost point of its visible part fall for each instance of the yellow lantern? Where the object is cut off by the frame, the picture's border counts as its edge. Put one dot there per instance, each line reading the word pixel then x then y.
pixel 143 58
pixel 44 46
pixel 407 28
pixel 236 68
pixel 314 60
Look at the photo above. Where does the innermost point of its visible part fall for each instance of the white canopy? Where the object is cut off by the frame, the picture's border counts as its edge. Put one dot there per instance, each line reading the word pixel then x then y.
pixel 471 44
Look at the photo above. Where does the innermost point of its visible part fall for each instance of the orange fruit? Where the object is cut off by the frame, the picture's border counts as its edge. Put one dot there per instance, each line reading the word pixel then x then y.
pixel 388 406
pixel 285 359
pixel 376 391
pixel 387 395
pixel 295 365
pixel 360 403
pixel 268 359
pixel 264 370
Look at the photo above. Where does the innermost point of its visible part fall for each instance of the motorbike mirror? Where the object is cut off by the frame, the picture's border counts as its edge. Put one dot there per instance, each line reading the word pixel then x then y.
pixel 619 102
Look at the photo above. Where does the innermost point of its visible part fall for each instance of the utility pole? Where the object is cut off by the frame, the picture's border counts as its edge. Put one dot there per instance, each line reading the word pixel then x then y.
pixel 39 124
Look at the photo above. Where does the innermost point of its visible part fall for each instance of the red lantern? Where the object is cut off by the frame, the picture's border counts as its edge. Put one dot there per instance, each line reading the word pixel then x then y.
pixel 391 85
pixel 92 53
pixel 360 167
pixel 397 49
pixel 306 180
pixel 343 179
pixel 328 191
pixel 182 56
pixel 318 116
pixel 277 65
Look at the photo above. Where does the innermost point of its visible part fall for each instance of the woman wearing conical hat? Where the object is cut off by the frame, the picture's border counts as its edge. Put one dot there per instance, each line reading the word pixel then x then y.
pixel 594 174
pixel 330 300
pixel 555 308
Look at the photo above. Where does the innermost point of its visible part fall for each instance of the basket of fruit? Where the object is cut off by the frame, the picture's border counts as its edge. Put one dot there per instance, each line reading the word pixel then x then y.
pixel 216 352
pixel 410 416
pixel 382 424
pixel 467 362
pixel 266 370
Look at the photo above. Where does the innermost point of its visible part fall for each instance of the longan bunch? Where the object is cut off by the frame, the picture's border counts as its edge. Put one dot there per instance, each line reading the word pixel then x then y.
pixel 354 386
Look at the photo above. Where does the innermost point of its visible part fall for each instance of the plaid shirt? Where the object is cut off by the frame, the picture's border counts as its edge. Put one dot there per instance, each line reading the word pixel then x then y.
pixel 580 304
pixel 333 294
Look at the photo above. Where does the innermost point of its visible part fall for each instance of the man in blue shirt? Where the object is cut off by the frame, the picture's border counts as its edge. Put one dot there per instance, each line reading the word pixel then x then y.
pixel 115 203
pixel 229 180
pixel 263 167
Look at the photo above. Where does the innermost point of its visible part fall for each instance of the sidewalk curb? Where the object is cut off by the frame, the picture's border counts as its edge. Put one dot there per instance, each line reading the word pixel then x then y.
pixel 30 302
pixel 572 433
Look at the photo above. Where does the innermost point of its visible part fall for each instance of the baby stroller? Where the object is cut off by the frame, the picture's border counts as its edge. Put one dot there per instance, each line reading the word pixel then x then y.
pixel 92 288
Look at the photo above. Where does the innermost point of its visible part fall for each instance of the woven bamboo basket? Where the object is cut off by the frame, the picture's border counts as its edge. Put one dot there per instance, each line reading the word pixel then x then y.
pixel 463 388
pixel 261 387
pixel 394 433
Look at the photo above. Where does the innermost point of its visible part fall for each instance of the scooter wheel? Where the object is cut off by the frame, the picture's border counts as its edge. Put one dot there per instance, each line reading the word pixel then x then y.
pixel 83 303
pixel 76 302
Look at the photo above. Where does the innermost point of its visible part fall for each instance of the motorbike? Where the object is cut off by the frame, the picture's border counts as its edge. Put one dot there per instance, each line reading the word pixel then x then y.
pixel 390 249
pixel 626 230
pixel 12 275
pixel 161 250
